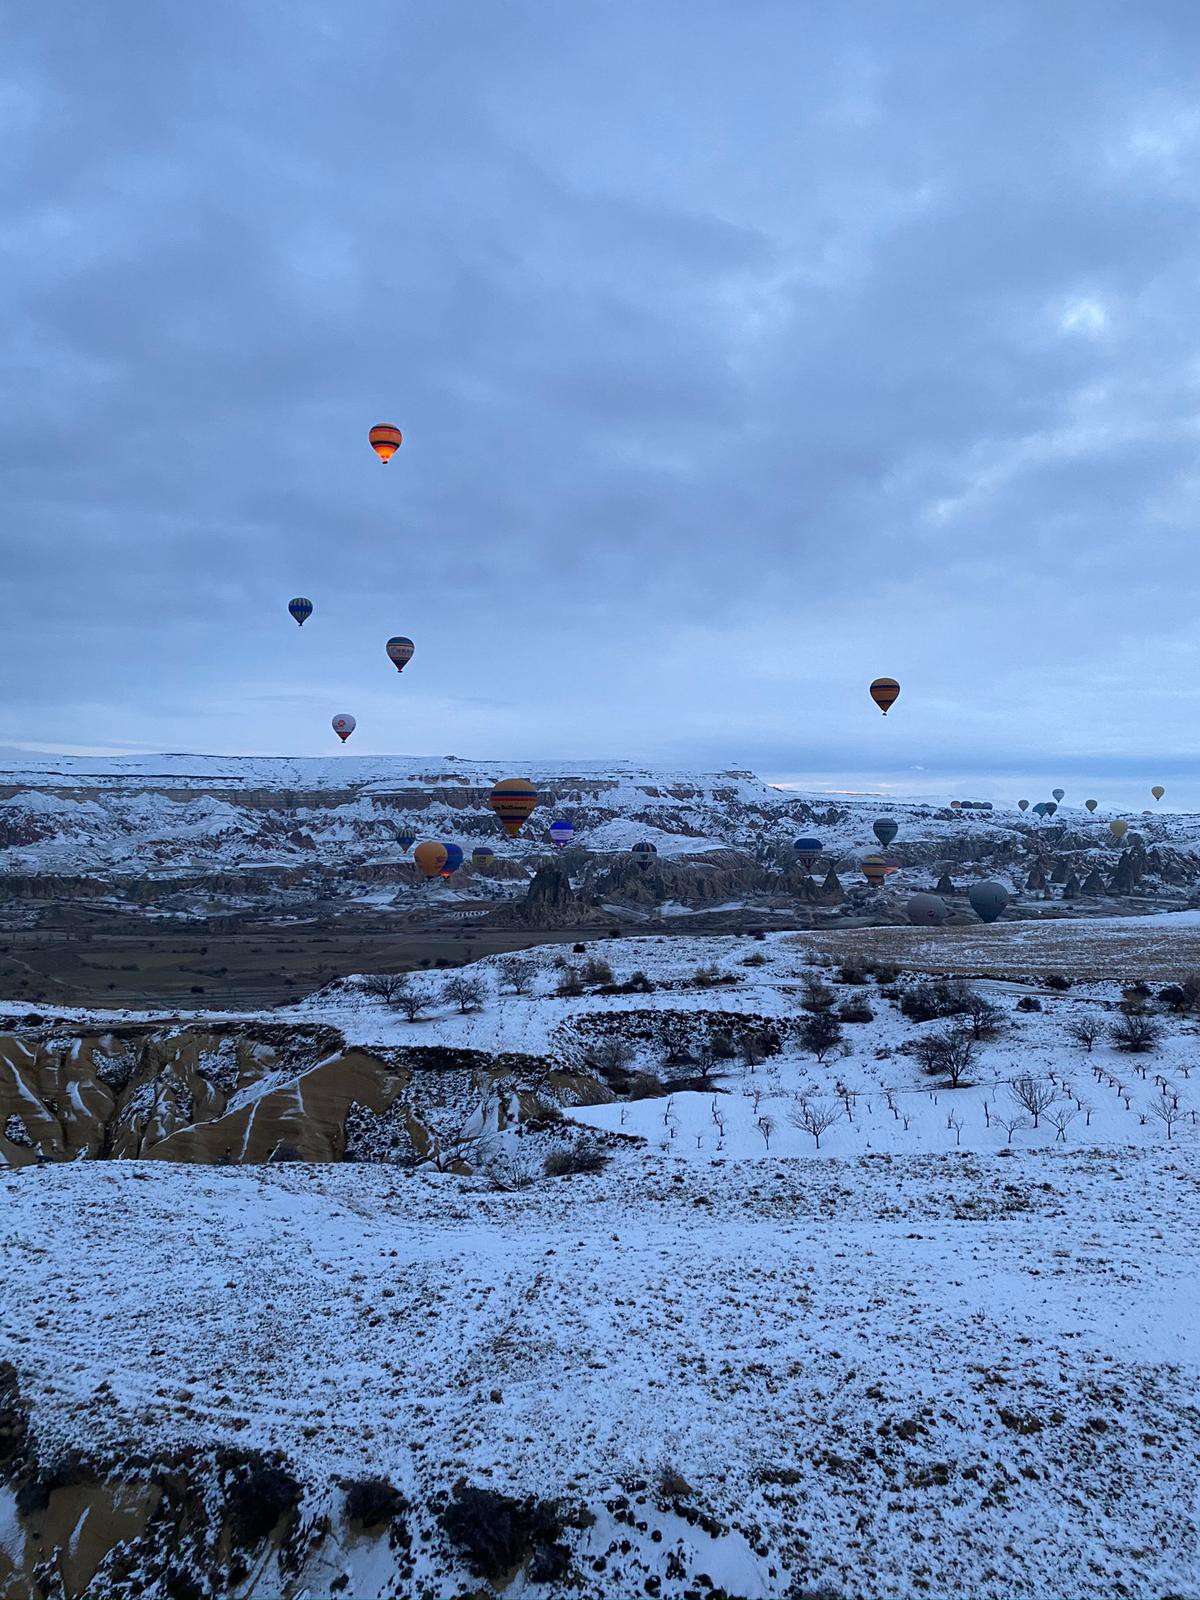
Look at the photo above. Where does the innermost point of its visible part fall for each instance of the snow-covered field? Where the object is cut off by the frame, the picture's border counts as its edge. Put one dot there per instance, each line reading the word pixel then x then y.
pixel 938 1356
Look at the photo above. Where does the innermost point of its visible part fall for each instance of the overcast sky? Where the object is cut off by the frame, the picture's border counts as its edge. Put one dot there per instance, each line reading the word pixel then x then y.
pixel 743 352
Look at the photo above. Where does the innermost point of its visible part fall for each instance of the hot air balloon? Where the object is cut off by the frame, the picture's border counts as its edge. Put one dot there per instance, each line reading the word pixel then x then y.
pixel 301 609
pixel 644 853
pixel 1118 828
pixel 927 911
pixel 988 899
pixel 430 857
pixel 400 651
pixel 344 725
pixel 1051 807
pixel 1022 805
pixel 385 440
pixel 561 833
pixel 1158 791
pixel 454 860
pixel 513 800
pixel 885 830
pixel 1058 793
pixel 875 870
pixel 808 852
pixel 955 805
pixel 885 692
pixel 406 841
pixel 1091 804
pixel 482 856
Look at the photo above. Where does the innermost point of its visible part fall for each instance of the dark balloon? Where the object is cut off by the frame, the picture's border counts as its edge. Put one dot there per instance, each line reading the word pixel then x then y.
pixel 808 852
pixel 406 840
pixel 988 899
pixel 927 911
pixel 644 853
pixel 885 830
pixel 301 609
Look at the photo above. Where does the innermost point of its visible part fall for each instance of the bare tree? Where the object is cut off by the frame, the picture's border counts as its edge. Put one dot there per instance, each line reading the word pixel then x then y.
pixel 411 1001
pixel 611 1055
pixel 814 1116
pixel 983 1018
pixel 1135 1034
pixel 464 990
pixel 1060 1117
pixel 1010 1123
pixel 955 1122
pixel 518 972
pixel 383 985
pixel 1085 1031
pixel 1168 1111
pixel 1034 1095
pixel 766 1125
pixel 958 1054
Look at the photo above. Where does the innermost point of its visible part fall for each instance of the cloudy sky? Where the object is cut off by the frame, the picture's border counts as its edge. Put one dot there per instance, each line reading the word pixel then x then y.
pixel 743 352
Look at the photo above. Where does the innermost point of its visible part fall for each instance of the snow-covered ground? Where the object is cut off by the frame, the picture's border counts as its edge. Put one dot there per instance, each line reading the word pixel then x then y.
pixel 938 1356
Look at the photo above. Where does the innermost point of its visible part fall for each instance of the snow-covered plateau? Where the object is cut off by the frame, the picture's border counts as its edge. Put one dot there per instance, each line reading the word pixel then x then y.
pixel 682 1266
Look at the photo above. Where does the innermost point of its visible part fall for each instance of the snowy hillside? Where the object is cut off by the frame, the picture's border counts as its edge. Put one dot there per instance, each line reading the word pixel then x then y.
pixel 258 823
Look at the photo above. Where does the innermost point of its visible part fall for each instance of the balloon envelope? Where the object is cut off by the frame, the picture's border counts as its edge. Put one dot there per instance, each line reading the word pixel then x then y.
pixel 482 856
pixel 1118 827
pixel 400 651
pixel 1051 807
pixel 1091 804
pixel 561 833
pixel 808 852
pixel 454 859
pixel 644 853
pixel 885 692
pixel 1022 805
pixel 885 830
pixel 1058 793
pixel 1041 808
pixel 927 911
pixel 406 841
pixel 385 440
pixel 1158 791
pixel 513 800
pixel 430 857
pixel 875 870
pixel 343 725
pixel 301 609
pixel 988 899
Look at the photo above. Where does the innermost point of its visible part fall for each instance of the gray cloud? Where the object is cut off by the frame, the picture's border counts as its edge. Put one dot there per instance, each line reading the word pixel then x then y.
pixel 742 353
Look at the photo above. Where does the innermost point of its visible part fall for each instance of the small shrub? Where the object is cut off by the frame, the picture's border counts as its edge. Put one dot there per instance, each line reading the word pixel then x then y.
pixel 596 970
pixel 1173 996
pixel 722 1047
pixel 567 1161
pixel 258 1491
pixel 611 1056
pixel 817 996
pixel 517 972
pixel 853 970
pixel 372 1502
pixel 885 971
pixel 756 958
pixel 570 983
pixel 710 977
pixel 1029 1002
pixel 939 997
pixel 855 1011
pixel 1058 982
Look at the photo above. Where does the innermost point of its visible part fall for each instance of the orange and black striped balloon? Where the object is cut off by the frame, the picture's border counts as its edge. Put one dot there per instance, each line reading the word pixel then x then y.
pixel 875 869
pixel 885 692
pixel 385 440
pixel 513 800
